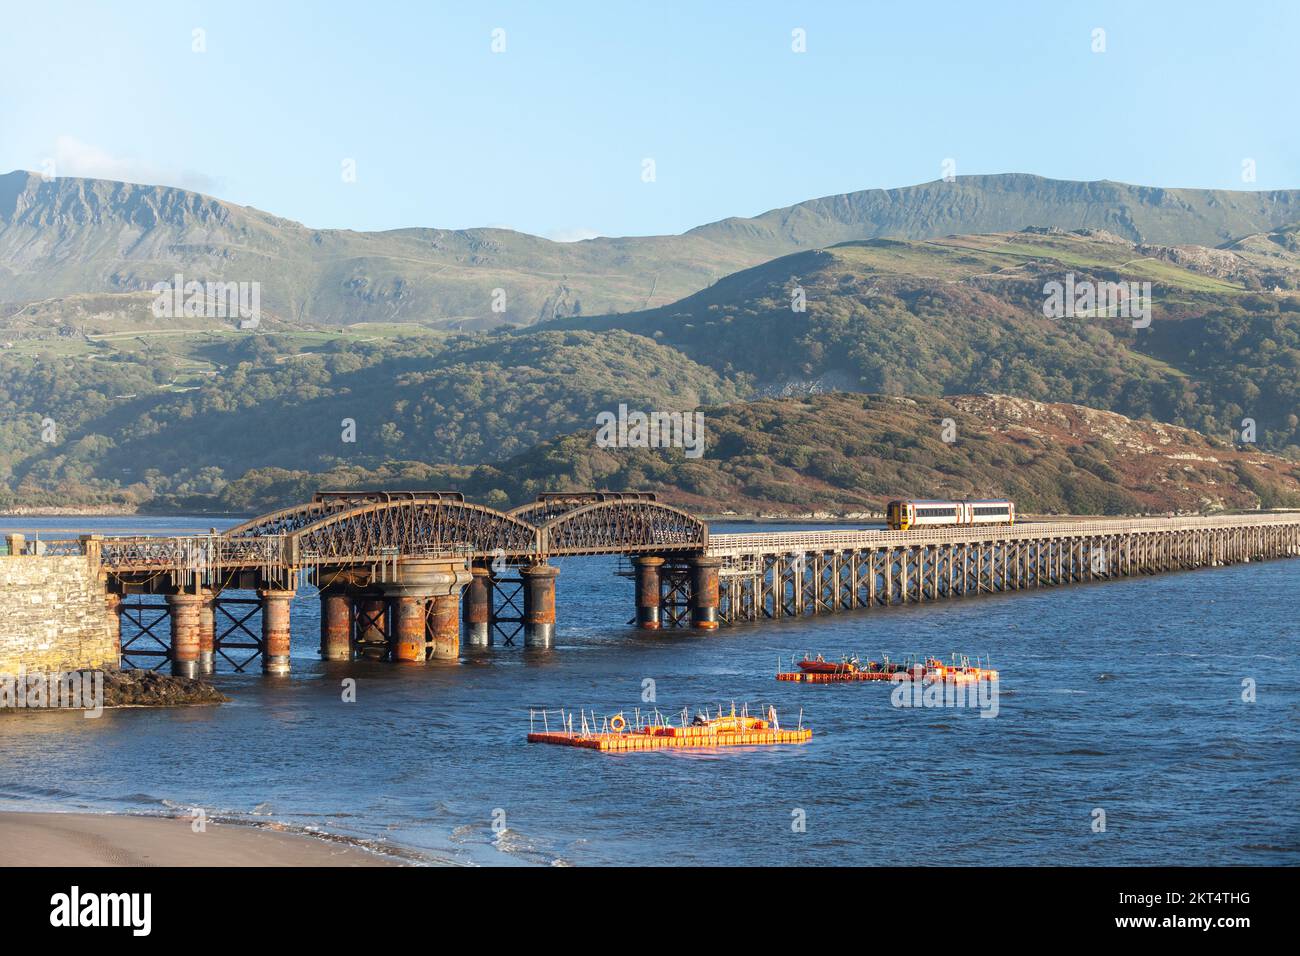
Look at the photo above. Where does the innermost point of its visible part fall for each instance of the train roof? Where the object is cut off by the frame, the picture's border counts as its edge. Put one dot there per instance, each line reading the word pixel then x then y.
pixel 955 501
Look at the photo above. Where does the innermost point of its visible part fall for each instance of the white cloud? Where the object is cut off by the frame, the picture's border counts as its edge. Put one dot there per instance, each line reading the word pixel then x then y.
pixel 72 157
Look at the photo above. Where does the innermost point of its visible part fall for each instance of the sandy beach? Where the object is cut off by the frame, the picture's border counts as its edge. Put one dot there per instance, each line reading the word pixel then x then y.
pixel 88 839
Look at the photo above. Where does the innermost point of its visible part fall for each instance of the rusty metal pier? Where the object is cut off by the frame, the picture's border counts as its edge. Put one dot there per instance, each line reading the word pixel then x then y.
pixel 397 572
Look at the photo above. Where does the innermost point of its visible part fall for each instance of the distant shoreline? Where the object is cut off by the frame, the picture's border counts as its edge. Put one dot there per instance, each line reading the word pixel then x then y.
pixel 117 839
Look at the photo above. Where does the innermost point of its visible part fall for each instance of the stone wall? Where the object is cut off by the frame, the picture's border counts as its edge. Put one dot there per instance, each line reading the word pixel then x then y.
pixel 54 615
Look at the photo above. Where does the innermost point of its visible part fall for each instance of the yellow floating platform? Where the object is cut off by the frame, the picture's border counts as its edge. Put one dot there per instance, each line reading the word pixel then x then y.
pixel 723 731
pixel 644 741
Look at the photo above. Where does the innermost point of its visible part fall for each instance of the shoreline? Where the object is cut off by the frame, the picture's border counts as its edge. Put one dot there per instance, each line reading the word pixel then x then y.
pixel 47 838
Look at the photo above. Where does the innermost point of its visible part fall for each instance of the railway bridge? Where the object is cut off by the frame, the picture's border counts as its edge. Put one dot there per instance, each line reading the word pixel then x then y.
pixel 402 575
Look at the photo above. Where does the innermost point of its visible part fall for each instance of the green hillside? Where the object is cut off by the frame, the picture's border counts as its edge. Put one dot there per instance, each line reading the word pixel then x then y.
pixel 849 454
pixel 965 314
pixel 127 430
pixel 160 410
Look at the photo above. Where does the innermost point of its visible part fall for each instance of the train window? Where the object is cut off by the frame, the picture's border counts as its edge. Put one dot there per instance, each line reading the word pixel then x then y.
pixel 990 510
pixel 935 512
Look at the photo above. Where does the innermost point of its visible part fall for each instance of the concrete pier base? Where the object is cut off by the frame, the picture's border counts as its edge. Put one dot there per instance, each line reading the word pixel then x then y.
pixel 335 625
pixel 539 605
pixel 478 609
pixel 648 597
pixel 275 630
pixel 184 611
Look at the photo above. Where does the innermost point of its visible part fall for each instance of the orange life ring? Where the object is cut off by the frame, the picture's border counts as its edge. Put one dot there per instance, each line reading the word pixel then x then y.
pixel 617 723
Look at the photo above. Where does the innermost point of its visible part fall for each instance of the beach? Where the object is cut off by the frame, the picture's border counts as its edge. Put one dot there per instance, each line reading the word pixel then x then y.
pixel 91 839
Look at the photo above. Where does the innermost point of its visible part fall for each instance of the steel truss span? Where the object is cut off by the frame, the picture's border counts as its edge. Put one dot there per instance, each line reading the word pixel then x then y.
pixel 365 527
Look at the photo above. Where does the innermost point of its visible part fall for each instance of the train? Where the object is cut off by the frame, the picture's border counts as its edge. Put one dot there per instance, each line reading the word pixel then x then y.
pixel 902 515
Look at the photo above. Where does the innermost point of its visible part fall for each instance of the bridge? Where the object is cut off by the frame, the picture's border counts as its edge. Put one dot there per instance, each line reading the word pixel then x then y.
pixel 403 575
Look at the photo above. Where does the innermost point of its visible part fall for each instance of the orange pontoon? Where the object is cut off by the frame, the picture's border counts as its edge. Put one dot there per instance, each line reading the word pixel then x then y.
pixel 655 733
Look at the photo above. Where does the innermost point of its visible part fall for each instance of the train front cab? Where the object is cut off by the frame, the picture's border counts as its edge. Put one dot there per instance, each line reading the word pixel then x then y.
pixel 898 515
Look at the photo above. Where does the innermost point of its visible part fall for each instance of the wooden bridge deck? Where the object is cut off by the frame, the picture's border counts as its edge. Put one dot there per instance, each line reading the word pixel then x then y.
pixel 781 542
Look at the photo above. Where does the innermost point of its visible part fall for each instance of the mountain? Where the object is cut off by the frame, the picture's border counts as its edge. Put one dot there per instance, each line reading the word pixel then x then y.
pixel 68 237
pixel 965 314
pixel 849 454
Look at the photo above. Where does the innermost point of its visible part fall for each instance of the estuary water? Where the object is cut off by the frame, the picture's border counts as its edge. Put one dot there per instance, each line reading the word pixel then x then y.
pixel 1121 736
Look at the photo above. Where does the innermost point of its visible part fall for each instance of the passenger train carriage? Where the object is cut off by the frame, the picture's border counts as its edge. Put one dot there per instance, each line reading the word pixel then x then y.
pixel 902 515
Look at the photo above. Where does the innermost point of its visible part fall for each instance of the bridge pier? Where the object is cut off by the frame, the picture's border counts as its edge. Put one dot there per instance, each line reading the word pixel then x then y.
pixel 648 598
pixel 207 632
pixel 478 608
pixel 184 611
pixel 444 626
pixel 275 629
pixel 704 592
pixel 406 613
pixel 539 605
pixel 424 610
pixel 335 624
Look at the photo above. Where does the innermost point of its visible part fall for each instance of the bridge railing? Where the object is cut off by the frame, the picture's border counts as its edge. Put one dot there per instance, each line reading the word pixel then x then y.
pixel 722 545
pixel 458 550
pixel 197 553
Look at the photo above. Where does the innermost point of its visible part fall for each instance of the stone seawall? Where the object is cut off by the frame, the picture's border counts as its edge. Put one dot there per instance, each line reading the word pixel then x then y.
pixel 54 615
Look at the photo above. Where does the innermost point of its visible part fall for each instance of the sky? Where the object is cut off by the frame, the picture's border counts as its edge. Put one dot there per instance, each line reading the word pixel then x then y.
pixel 638 118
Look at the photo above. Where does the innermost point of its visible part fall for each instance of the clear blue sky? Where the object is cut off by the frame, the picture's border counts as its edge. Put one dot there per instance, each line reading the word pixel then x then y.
pixel 549 136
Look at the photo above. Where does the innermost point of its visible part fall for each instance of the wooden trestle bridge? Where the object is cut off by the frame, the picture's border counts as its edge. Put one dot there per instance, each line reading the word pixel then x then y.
pixel 401 574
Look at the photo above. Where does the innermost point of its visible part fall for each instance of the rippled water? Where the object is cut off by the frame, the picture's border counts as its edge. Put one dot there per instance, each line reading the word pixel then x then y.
pixel 1123 696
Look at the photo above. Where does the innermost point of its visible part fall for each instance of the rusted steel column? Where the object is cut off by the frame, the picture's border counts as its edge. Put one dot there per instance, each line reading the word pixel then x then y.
pixel 372 641
pixel 444 627
pixel 539 604
pixel 335 625
pixel 704 592
pixel 648 598
pixel 478 609
pixel 184 611
pixel 113 608
pixel 406 615
pixel 275 630
pixel 207 633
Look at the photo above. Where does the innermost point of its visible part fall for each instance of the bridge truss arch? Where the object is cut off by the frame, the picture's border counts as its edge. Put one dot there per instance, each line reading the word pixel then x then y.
pixel 622 526
pixel 409 528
